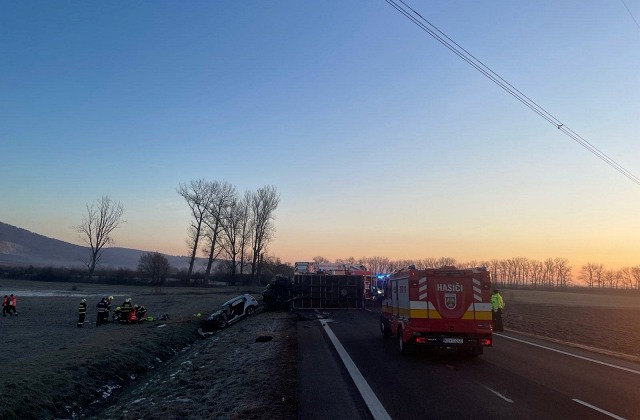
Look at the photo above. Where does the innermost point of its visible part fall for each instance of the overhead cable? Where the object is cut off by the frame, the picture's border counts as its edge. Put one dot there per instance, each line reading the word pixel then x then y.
pixel 441 37
pixel 630 14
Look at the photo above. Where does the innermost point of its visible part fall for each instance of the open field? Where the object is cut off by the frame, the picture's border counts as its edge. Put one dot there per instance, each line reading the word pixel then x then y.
pixel 608 322
pixel 52 369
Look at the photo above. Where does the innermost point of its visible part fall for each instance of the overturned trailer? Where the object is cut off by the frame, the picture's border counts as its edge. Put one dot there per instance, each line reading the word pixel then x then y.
pixel 324 291
pixel 319 286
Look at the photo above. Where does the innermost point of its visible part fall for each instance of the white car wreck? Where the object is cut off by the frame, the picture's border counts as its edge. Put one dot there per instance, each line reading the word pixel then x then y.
pixel 231 311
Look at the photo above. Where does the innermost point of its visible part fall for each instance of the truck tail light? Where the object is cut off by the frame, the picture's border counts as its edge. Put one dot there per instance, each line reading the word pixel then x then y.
pixel 421 340
pixel 485 341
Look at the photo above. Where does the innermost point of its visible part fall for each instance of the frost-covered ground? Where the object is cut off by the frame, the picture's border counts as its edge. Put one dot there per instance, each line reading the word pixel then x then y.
pixel 164 369
pixel 52 369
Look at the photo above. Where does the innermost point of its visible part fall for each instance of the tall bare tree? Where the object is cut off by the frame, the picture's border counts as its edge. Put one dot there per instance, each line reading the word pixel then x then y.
pixel 246 229
pixel 231 235
pixel 198 195
pixel 264 202
pixel 223 194
pixel 96 230
pixel 591 274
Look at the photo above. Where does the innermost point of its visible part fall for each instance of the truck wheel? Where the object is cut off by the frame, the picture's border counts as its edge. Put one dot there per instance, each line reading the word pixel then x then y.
pixel 384 330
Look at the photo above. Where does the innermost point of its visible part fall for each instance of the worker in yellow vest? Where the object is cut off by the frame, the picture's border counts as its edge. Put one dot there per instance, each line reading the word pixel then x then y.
pixel 497 305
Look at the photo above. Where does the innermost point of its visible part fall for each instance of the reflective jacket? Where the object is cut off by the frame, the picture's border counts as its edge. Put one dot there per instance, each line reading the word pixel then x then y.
pixel 496 302
pixel 82 308
pixel 102 306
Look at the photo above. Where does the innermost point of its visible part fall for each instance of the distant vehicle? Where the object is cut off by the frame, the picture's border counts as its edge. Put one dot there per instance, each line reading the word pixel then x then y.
pixel 231 311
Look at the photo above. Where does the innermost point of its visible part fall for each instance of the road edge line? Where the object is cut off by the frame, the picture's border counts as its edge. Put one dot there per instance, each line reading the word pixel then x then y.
pixel 375 406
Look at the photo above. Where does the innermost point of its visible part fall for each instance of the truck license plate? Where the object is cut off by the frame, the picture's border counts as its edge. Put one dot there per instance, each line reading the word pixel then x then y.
pixel 452 340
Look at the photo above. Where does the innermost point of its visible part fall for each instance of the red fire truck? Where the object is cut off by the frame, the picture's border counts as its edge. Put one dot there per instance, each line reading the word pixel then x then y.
pixel 445 308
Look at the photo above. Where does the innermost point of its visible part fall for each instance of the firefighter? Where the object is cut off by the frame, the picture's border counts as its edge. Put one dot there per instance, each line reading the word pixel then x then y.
pixel 12 305
pixel 102 311
pixel 497 305
pixel 5 305
pixel 141 313
pixel 125 310
pixel 82 312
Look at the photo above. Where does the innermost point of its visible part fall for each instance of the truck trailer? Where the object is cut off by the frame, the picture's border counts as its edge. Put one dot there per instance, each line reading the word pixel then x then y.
pixel 446 308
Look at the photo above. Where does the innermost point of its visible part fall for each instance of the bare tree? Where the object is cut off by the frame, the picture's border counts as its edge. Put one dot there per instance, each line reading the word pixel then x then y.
pixel 155 266
pixel 223 195
pixel 231 234
pixel 563 272
pixel 626 277
pixel 377 265
pixel 263 205
pixel 198 197
pixel 246 229
pixel 635 272
pixel 96 230
pixel 591 274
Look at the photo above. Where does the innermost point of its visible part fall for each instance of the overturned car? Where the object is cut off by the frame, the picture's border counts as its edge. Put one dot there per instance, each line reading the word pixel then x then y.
pixel 230 312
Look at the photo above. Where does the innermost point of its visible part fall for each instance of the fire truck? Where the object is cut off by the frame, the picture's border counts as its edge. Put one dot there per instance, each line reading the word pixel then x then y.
pixel 445 308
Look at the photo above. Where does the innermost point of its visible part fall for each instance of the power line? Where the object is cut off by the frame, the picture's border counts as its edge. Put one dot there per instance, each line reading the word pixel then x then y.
pixel 630 14
pixel 441 37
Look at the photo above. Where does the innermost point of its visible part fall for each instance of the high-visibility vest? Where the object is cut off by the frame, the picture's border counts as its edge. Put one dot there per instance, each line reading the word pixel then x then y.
pixel 82 308
pixel 496 302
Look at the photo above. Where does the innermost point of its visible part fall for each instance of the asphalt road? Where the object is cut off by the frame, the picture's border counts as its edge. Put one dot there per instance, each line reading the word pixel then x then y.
pixel 517 378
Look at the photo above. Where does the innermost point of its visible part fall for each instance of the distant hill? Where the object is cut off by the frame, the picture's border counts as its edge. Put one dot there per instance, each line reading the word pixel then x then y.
pixel 20 247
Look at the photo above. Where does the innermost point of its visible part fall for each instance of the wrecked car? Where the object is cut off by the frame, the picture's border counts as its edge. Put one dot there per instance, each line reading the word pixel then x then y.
pixel 231 311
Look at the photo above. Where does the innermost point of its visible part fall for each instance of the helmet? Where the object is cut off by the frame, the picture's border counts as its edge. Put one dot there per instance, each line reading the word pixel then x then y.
pixel 110 298
pixel 83 300
pixel 128 300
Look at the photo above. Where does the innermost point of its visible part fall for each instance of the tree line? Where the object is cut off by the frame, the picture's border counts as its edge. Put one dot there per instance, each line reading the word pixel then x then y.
pixel 517 272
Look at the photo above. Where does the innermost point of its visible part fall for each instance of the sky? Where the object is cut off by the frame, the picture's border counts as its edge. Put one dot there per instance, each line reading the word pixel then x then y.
pixel 379 140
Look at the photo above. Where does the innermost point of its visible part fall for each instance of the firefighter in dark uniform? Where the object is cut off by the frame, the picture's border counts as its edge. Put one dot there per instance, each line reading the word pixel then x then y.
pixel 102 311
pixel 125 309
pixel 5 305
pixel 82 312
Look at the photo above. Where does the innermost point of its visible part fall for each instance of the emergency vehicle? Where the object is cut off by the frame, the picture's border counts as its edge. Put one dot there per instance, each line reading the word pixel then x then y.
pixel 445 308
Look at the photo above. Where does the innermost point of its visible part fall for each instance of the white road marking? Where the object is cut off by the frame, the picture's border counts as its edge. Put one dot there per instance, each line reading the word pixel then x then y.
pixel 509 400
pixel 571 354
pixel 598 409
pixel 375 407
